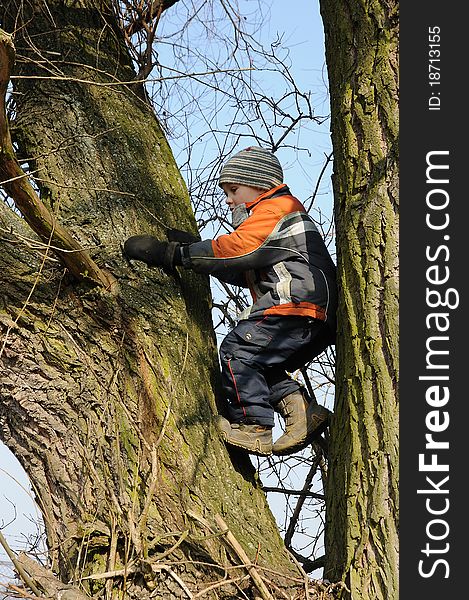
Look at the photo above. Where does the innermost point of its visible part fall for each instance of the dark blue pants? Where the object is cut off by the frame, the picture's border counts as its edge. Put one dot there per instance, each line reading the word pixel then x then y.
pixel 255 356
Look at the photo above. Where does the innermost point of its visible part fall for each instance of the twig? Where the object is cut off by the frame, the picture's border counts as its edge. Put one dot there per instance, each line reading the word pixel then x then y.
pixel 176 578
pixel 303 574
pixel 304 493
pixel 17 590
pixel 144 18
pixel 307 564
pixel 112 554
pixel 309 387
pixel 324 167
pixel 235 545
pixel 169 551
pixel 219 584
pixel 131 570
pixel 21 572
pixel 126 83
pixel 26 302
pixel 296 513
pixel 35 212
pixel 128 570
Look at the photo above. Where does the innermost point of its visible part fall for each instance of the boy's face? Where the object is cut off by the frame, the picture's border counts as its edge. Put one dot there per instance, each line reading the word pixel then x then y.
pixel 239 194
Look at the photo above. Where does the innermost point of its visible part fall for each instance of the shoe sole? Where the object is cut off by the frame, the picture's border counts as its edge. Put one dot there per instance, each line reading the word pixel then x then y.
pixel 258 451
pixel 302 445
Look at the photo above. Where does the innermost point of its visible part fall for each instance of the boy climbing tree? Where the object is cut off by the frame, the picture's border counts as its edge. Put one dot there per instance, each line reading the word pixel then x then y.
pixel 277 252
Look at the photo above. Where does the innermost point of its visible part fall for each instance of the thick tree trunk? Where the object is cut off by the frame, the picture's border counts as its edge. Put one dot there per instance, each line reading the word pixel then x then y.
pixel 107 397
pixel 362 505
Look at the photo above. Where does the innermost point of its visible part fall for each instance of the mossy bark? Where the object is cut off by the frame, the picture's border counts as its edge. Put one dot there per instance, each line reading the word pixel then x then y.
pixel 362 493
pixel 107 398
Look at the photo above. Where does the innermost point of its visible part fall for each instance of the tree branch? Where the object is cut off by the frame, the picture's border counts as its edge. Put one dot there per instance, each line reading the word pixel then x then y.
pixel 21 572
pixel 305 493
pixel 15 182
pixel 154 10
pixel 307 564
pixel 235 545
pixel 53 587
pixel 301 500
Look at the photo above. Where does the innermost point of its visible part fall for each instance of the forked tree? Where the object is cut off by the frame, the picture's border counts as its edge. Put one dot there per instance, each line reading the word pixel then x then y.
pixel 109 370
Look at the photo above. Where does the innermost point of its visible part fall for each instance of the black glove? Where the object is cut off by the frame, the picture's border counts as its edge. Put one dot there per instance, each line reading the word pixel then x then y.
pixel 155 253
pixel 183 237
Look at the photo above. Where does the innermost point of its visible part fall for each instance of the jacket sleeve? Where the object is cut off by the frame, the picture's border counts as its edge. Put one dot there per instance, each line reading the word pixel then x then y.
pixel 236 252
pixel 200 258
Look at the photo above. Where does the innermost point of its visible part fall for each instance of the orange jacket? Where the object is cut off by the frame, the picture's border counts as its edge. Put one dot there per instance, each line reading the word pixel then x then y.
pixel 278 252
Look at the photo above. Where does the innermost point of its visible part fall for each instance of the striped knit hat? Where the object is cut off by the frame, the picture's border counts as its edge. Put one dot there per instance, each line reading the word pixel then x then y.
pixel 253 166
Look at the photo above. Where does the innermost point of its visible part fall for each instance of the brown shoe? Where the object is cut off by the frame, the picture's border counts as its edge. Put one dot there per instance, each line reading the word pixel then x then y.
pixel 256 439
pixel 304 421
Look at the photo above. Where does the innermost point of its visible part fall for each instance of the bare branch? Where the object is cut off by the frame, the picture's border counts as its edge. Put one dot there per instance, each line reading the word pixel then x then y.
pixel 233 542
pixel 18 566
pixel 145 16
pixel 304 493
pixel 15 182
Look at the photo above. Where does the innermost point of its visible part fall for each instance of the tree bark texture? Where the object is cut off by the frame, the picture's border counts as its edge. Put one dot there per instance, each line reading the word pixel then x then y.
pixel 362 496
pixel 107 397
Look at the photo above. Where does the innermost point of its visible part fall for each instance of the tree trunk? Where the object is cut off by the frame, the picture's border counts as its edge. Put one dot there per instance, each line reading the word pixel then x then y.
pixel 362 494
pixel 107 396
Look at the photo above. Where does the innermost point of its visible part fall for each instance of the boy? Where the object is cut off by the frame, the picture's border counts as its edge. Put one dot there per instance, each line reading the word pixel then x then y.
pixel 276 251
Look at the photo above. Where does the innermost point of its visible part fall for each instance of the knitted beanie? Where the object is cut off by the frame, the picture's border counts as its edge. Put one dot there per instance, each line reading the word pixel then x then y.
pixel 253 166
